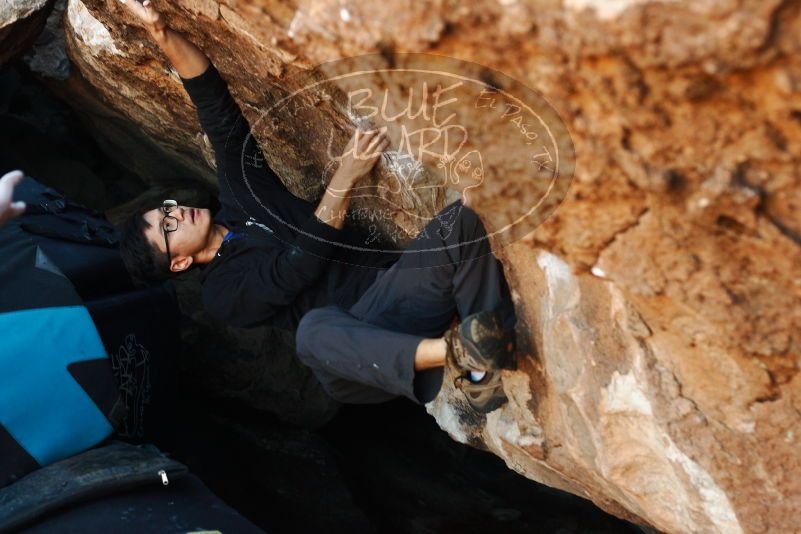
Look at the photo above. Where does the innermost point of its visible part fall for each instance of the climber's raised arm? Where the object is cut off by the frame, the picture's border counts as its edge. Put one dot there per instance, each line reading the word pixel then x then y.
pixel 218 113
pixel 229 132
pixel 186 58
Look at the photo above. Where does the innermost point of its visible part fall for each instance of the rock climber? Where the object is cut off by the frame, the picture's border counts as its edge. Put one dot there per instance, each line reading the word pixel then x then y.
pixel 371 326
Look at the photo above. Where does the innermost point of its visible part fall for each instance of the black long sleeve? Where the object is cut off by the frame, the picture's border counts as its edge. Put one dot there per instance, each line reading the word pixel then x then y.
pixel 255 279
pixel 251 284
pixel 236 151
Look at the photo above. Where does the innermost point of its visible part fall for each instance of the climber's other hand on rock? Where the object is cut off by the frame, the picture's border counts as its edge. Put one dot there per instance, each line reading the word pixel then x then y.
pixel 146 13
pixel 361 154
pixel 8 208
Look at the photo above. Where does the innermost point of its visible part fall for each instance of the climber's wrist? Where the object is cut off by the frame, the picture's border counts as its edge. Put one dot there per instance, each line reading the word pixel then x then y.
pixel 158 32
pixel 343 178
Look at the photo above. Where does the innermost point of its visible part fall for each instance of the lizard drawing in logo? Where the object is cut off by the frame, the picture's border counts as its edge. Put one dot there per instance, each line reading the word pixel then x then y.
pixel 463 174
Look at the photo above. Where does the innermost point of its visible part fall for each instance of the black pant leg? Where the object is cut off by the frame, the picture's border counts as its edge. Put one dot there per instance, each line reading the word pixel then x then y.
pixel 447 271
pixel 355 361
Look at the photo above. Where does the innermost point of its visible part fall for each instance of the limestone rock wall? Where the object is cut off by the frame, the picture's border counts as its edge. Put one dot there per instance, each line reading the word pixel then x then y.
pixel 660 306
pixel 20 23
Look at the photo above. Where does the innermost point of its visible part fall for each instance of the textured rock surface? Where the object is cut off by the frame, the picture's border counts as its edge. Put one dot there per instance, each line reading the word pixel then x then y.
pixel 20 23
pixel 660 306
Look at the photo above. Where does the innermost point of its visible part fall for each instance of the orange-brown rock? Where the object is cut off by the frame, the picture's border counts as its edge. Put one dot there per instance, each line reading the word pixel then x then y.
pixel 660 306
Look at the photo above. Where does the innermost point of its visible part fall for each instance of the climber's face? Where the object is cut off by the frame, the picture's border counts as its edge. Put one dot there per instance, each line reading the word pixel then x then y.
pixel 182 233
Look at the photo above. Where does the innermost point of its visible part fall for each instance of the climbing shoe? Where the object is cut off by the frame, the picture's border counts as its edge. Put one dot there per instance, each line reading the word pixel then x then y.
pixel 478 349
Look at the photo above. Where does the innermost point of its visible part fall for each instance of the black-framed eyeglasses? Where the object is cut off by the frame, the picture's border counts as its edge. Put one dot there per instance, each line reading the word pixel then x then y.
pixel 168 223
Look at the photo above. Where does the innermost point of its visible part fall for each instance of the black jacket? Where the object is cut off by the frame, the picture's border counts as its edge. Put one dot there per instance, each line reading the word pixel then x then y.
pixel 286 261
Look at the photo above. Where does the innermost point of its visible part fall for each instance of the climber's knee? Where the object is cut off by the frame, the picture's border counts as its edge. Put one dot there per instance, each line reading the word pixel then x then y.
pixel 309 330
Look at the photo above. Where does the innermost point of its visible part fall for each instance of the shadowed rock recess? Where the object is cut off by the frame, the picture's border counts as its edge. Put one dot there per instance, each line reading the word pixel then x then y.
pixel 20 23
pixel 659 306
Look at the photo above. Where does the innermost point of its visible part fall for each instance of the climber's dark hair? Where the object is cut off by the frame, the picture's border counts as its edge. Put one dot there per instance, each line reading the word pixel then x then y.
pixel 144 261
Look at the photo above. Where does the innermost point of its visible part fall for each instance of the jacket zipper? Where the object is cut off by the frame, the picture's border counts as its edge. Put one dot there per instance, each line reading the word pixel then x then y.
pixel 251 222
